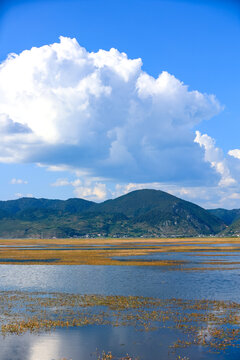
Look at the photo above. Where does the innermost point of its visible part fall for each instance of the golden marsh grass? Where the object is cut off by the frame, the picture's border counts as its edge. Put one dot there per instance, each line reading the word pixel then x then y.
pixel 105 251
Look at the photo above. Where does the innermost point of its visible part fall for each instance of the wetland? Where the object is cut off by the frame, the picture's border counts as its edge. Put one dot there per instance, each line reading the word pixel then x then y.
pixel 106 298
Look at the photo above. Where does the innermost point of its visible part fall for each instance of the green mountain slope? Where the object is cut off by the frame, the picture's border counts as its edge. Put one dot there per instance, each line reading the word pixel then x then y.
pixel 228 216
pixel 232 230
pixel 136 203
pixel 157 213
pixel 139 213
pixel 26 203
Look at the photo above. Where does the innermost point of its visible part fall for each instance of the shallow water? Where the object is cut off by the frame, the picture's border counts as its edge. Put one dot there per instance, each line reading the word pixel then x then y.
pixel 160 282
pixel 86 343
pixel 123 280
pixel 192 260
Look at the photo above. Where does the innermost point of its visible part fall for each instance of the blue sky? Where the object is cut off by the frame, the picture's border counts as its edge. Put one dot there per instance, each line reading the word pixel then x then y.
pixel 195 42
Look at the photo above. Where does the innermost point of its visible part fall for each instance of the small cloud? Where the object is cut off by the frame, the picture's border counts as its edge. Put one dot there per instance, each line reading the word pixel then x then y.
pixel 96 192
pixel 235 196
pixel 20 195
pixel 87 189
pixel 235 153
pixel 61 182
pixel 76 183
pixel 15 181
pixel 66 182
pixel 56 168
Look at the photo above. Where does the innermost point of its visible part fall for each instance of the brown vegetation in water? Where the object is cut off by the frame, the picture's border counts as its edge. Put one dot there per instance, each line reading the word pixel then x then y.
pixel 212 324
pixel 106 251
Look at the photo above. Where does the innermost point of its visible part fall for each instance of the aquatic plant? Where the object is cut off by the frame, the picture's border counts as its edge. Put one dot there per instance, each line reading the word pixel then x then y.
pixel 212 324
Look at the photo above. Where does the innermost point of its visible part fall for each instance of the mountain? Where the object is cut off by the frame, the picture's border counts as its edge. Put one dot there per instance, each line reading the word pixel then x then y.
pixel 147 213
pixel 158 213
pixel 228 216
pixel 13 207
pixel 232 230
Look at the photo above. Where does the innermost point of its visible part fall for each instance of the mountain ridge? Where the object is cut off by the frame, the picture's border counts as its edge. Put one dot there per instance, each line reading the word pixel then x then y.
pixel 228 216
pixel 146 213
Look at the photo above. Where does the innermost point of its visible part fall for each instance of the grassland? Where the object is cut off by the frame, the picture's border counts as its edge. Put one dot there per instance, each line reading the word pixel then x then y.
pixel 117 251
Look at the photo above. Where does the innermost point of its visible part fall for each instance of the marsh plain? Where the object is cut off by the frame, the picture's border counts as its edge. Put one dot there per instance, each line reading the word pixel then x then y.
pixel 149 298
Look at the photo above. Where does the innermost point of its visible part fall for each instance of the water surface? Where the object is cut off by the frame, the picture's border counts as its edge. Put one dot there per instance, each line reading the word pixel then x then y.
pixel 150 281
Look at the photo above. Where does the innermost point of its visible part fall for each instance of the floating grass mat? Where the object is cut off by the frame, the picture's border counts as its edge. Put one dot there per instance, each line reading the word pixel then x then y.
pixel 106 251
pixel 212 324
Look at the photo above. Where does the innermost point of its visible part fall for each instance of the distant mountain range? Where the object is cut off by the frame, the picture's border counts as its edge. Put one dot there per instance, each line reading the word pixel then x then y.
pixel 146 213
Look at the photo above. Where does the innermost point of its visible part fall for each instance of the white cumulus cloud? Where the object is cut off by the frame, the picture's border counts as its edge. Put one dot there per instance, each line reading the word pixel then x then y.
pixel 216 158
pixel 235 153
pixel 86 188
pixel 97 192
pixel 101 114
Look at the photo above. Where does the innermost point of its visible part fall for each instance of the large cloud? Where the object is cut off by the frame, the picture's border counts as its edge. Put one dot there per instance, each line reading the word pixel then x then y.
pixel 100 113
pixel 225 193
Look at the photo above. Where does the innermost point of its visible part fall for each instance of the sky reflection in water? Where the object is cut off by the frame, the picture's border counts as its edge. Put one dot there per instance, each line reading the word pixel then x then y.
pixel 79 343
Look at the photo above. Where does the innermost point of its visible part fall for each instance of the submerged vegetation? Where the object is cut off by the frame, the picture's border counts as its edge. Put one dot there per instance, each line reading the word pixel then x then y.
pixel 214 325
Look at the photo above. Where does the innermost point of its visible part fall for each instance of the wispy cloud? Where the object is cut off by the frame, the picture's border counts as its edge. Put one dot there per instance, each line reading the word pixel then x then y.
pixel 61 182
pixel 20 195
pixel 15 181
